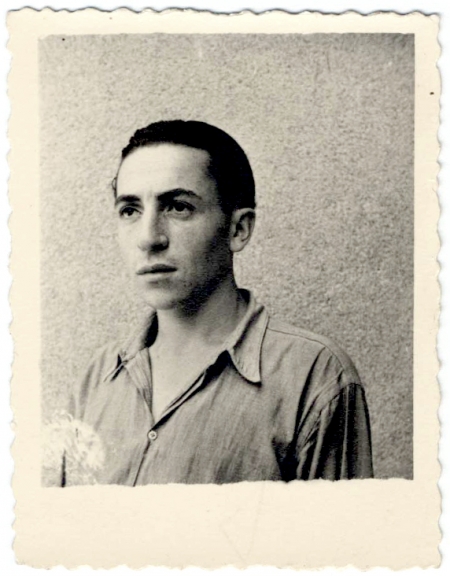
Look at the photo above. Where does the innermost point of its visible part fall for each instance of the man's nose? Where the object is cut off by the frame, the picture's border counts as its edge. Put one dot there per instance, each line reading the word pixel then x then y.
pixel 154 236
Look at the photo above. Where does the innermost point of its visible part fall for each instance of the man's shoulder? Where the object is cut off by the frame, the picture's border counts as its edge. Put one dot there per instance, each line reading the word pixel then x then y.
pixel 104 360
pixel 299 346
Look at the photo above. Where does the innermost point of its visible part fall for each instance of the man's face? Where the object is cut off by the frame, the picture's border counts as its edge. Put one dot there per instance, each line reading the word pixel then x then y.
pixel 173 233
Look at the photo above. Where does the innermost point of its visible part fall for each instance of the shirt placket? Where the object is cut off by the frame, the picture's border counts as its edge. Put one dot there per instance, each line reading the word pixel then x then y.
pixel 139 372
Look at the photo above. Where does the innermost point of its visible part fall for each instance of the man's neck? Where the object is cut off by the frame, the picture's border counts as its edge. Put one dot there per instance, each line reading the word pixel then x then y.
pixel 205 327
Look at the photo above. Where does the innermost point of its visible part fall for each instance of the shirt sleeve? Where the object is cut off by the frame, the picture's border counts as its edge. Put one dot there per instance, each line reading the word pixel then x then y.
pixel 339 443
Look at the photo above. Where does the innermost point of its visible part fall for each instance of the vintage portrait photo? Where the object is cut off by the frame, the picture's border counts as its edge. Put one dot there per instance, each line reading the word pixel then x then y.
pixel 227 223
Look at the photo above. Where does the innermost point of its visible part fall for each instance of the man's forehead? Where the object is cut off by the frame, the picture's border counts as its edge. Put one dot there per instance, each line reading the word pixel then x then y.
pixel 162 166
pixel 165 156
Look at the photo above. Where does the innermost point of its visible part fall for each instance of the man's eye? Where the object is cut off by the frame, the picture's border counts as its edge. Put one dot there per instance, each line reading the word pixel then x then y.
pixel 181 208
pixel 127 211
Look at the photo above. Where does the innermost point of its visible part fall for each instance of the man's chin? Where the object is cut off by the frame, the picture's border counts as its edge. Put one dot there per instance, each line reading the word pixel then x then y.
pixel 161 300
pixel 183 297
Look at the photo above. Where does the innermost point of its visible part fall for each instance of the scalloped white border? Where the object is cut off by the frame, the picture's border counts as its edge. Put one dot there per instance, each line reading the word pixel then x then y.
pixel 281 19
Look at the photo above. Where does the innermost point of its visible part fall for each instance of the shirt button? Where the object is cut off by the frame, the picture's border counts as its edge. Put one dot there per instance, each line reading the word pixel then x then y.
pixel 152 435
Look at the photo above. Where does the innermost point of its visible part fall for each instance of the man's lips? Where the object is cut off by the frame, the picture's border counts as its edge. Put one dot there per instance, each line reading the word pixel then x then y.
pixel 155 269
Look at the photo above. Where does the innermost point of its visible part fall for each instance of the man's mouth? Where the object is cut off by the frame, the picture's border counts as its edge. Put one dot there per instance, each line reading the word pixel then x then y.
pixel 155 269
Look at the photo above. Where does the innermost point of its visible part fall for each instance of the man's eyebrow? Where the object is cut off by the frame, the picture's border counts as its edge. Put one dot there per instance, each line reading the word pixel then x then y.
pixel 126 198
pixel 169 194
pixel 164 196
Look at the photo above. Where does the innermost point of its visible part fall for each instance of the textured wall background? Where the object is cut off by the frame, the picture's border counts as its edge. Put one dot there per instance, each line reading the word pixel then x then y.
pixel 327 122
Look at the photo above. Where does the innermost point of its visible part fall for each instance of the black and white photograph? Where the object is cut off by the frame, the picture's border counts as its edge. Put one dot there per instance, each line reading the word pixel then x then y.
pixel 227 238
pixel 257 193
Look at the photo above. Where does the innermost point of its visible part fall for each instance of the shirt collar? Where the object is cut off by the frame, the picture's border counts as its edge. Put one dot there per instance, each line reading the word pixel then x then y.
pixel 243 345
pixel 245 342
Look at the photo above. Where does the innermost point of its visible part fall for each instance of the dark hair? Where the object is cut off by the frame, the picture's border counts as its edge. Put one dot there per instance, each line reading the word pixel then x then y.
pixel 228 166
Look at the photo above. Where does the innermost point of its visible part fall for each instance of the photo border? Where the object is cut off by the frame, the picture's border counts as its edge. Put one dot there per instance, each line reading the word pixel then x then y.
pixel 375 523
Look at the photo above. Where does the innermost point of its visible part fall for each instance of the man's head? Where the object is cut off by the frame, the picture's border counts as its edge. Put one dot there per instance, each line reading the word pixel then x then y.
pixel 184 194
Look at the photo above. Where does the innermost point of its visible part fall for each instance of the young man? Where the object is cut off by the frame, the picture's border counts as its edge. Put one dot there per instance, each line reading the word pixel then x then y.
pixel 210 389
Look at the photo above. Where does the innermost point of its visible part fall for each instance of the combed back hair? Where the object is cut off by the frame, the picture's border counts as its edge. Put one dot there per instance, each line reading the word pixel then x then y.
pixel 229 166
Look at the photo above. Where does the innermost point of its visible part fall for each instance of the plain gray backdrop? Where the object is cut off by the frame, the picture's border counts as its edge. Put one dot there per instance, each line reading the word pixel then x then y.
pixel 328 124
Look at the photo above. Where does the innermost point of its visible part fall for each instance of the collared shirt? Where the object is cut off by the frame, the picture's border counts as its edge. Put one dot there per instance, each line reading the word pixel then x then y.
pixel 276 403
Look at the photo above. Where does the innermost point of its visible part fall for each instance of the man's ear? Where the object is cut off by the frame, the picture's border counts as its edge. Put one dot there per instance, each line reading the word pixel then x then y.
pixel 241 229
